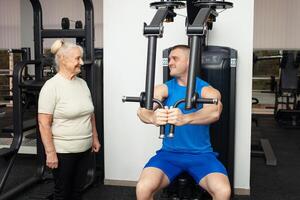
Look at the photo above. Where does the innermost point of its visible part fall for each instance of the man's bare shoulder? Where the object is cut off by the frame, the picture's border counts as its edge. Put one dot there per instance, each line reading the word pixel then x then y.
pixel 161 91
pixel 210 92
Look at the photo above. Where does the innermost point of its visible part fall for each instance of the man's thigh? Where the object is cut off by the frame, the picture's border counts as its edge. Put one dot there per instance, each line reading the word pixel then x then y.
pixel 162 164
pixel 214 182
pixel 153 178
pixel 203 165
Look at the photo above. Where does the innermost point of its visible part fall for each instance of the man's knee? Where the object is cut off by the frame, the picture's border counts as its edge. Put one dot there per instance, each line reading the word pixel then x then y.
pixel 145 189
pixel 223 191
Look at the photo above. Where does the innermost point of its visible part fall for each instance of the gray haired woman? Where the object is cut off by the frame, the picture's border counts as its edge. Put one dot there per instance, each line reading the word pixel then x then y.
pixel 67 122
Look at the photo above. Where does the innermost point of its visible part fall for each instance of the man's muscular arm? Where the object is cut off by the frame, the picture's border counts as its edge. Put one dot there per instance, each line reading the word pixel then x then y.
pixel 207 115
pixel 155 116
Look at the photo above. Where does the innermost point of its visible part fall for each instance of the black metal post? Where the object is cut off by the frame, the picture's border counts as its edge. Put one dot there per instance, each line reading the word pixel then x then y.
pixel 196 32
pixel 26 53
pixel 89 30
pixel 152 32
pixel 150 73
pixel 194 62
pixel 38 41
pixel 90 73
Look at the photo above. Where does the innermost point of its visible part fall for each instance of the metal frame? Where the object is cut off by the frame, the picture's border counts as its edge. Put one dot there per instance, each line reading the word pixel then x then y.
pixel 152 32
pixel 12 151
pixel 197 33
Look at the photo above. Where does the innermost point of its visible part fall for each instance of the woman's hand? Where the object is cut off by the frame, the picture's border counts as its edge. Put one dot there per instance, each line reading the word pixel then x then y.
pixel 96 144
pixel 51 160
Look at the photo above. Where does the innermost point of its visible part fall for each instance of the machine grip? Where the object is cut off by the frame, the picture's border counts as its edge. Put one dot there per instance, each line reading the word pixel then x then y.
pixel 130 99
pixel 171 133
pixel 208 101
pixel 162 132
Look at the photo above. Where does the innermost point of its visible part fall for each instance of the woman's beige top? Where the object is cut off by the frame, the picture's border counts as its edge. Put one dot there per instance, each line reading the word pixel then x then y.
pixel 70 103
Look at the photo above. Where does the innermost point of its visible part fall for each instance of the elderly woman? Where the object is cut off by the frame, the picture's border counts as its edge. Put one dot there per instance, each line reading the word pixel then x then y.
pixel 67 122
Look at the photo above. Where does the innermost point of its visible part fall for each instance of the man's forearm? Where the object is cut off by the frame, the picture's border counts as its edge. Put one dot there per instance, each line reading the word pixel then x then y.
pixel 205 115
pixel 145 115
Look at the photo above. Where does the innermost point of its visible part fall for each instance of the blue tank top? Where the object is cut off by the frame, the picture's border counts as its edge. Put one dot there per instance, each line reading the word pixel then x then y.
pixel 188 138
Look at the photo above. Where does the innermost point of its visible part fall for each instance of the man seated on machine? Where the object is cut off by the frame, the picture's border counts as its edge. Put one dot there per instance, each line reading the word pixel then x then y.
pixel 190 150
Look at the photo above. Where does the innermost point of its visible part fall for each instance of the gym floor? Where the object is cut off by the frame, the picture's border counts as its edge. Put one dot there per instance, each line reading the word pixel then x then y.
pixel 279 182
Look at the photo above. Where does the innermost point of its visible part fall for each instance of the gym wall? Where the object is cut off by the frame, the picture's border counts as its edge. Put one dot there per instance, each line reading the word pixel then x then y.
pixel 276 24
pixel 10 24
pixel 16 28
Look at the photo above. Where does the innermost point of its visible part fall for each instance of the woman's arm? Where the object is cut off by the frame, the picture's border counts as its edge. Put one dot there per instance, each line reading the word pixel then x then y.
pixel 96 144
pixel 45 122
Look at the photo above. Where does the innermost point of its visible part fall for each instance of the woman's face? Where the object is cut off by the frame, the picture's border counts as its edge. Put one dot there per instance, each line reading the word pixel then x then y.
pixel 72 61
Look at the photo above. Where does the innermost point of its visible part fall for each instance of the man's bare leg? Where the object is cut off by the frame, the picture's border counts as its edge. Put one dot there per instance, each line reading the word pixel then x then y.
pixel 151 180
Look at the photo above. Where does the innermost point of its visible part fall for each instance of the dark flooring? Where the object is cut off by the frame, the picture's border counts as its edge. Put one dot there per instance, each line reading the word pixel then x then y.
pixel 281 182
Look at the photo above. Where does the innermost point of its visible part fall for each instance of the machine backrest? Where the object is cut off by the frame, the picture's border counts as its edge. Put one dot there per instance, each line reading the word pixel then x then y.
pixel 219 70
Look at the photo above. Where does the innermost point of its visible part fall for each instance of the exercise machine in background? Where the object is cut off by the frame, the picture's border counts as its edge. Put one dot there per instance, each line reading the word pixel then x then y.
pixel 92 73
pixel 287 102
pixel 286 87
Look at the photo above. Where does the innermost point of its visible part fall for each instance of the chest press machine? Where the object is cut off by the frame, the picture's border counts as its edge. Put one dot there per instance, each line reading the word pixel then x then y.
pixel 217 67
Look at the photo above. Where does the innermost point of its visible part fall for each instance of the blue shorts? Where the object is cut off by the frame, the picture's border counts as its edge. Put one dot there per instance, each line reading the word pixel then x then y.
pixel 198 165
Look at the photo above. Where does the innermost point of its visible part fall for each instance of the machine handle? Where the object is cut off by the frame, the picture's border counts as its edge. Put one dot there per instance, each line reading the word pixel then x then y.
pixel 140 99
pixel 199 100
pixel 130 99
pixel 207 101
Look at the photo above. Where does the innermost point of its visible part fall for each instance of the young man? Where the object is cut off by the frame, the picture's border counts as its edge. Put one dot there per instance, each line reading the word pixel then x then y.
pixel 190 150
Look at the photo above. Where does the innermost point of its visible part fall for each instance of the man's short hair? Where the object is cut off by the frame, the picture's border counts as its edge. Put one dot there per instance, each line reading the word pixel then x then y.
pixel 180 46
